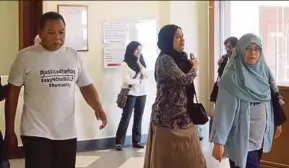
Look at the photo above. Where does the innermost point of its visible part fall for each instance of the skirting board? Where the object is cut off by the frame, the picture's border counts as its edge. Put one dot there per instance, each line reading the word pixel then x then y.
pixel 89 145
pixel 102 144
pixel 268 164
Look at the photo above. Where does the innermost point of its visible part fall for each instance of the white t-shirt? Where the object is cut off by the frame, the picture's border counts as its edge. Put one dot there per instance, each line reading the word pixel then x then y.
pixel 49 79
pixel 138 85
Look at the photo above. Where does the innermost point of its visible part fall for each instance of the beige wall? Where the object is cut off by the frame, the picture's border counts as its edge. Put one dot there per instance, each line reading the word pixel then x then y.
pixel 9 45
pixel 192 16
pixel 9 34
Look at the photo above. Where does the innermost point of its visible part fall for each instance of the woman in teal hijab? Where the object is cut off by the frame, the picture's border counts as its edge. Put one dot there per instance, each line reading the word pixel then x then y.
pixel 243 126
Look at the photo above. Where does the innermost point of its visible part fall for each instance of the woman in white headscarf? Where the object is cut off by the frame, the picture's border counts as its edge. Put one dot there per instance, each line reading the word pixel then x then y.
pixel 37 40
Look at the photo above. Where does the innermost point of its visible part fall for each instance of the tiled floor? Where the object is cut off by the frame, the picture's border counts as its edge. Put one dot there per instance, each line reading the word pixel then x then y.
pixel 128 158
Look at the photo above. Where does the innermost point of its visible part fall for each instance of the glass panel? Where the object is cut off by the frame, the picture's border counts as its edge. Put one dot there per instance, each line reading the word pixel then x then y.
pixel 270 21
pixel 84 17
pixel 147 36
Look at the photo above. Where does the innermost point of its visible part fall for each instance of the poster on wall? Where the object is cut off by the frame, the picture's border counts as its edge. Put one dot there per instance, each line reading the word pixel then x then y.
pixel 113 54
pixel 115 37
pixel 76 18
pixel 118 33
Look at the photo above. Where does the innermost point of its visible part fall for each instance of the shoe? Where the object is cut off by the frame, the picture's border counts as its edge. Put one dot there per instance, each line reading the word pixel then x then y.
pixel 139 146
pixel 118 147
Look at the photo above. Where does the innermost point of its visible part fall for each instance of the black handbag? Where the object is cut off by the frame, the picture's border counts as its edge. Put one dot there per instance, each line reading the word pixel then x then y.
pixel 197 111
pixel 3 92
pixel 279 114
pixel 214 93
pixel 4 162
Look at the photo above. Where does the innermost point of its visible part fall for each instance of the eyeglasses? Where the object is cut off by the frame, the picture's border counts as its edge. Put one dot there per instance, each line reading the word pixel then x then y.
pixel 256 49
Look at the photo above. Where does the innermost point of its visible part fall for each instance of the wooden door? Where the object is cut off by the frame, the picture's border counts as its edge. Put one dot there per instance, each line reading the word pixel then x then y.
pixel 29 15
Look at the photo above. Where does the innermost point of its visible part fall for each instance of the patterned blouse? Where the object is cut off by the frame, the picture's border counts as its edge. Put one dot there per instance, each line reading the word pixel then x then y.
pixel 170 107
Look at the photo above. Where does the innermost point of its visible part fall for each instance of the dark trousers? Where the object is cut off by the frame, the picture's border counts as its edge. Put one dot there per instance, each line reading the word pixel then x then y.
pixel 45 153
pixel 253 160
pixel 136 103
pixel 4 163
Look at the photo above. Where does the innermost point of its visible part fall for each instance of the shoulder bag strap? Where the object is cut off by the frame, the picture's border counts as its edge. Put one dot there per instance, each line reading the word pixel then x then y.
pixel 129 86
pixel 195 93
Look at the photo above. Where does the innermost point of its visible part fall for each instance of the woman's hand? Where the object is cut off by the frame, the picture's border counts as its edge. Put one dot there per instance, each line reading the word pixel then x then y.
pixel 138 58
pixel 218 152
pixel 278 132
pixel 194 63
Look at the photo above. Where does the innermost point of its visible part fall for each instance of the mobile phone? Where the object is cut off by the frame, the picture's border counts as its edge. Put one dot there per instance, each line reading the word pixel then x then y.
pixel 192 56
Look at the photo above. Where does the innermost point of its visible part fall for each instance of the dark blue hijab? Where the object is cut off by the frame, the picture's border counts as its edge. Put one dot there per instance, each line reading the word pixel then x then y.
pixel 165 44
pixel 131 59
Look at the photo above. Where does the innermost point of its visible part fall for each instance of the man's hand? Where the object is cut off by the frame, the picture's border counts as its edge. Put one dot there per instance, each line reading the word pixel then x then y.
pixel 278 132
pixel 90 95
pixel 11 142
pixel 10 138
pixel 101 116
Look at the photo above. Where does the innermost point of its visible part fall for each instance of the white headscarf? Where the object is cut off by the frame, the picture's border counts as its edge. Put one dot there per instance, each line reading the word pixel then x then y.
pixel 37 40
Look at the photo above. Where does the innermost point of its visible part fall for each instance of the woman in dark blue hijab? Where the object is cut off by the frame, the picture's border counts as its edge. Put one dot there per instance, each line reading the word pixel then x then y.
pixel 135 79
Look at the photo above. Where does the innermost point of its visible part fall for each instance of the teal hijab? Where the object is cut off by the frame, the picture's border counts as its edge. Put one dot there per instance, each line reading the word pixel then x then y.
pixel 247 82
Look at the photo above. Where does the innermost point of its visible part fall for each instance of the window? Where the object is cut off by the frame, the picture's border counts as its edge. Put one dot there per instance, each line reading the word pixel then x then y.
pixel 147 35
pixel 267 19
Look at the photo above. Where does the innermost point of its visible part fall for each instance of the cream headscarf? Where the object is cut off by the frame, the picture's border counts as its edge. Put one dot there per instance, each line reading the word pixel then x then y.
pixel 37 40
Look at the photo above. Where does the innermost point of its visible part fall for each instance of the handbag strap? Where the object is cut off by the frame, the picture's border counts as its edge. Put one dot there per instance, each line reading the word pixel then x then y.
pixel 129 86
pixel 195 93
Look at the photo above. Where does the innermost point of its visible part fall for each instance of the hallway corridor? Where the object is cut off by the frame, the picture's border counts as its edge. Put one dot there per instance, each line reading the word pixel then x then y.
pixel 128 158
pixel 131 158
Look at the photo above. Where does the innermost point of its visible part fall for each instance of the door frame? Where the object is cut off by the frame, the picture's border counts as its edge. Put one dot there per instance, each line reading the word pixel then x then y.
pixel 29 14
pixel 28 20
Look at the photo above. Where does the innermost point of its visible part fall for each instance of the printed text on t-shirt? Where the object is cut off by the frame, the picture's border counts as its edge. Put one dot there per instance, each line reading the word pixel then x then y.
pixel 57 77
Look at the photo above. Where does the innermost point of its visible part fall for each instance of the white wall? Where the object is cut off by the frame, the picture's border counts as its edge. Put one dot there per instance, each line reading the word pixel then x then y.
pixel 107 81
pixel 193 17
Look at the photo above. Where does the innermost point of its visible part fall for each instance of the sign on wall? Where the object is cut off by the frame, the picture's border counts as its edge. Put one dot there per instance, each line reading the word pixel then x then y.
pixel 76 18
pixel 115 37
pixel 117 34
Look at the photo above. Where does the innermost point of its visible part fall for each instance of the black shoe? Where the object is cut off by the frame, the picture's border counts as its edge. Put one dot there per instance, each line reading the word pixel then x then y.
pixel 139 146
pixel 118 147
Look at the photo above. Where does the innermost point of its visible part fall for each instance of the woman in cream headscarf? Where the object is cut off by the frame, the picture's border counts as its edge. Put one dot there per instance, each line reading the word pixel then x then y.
pixel 37 39
pixel 243 125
